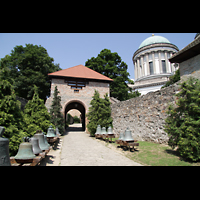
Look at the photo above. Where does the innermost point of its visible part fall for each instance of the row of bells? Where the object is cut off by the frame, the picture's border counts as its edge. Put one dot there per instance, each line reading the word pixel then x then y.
pixel 103 130
pixel 27 150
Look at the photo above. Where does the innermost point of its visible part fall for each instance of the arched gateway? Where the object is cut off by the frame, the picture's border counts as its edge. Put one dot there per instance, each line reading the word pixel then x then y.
pixel 76 86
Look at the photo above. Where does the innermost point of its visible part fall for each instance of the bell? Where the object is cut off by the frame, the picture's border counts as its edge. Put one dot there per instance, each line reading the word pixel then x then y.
pixel 45 140
pixel 103 131
pixel 25 151
pixel 4 149
pixel 121 136
pixel 50 132
pixel 35 145
pixel 128 136
pixel 42 145
pixel 57 132
pixel 98 131
pixel 110 131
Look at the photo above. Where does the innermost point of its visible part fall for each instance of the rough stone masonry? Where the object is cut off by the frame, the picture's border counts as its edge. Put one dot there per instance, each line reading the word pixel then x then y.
pixel 145 115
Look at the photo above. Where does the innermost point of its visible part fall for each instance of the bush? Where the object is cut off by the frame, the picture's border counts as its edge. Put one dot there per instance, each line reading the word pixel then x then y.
pixel 55 112
pixel 76 119
pixel 11 116
pixel 36 115
pixel 99 113
pixel 183 122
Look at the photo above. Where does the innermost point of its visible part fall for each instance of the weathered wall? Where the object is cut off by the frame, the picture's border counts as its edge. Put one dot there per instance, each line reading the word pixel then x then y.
pixel 190 67
pixel 145 115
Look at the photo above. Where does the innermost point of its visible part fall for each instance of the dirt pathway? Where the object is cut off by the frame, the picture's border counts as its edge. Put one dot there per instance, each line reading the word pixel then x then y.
pixel 79 149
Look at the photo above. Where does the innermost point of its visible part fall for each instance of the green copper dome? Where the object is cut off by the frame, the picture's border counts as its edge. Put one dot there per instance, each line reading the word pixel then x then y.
pixel 153 40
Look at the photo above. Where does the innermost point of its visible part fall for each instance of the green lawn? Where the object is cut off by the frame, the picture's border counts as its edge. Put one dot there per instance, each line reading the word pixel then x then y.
pixel 148 153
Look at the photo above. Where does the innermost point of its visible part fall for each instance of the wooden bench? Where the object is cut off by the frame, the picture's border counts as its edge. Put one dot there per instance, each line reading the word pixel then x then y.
pixel 128 144
pixel 52 139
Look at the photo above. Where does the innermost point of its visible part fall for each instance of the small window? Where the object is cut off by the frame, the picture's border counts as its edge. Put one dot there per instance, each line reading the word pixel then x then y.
pixel 76 91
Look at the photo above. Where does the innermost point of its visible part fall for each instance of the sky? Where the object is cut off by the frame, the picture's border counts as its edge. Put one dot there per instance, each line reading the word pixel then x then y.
pixel 71 49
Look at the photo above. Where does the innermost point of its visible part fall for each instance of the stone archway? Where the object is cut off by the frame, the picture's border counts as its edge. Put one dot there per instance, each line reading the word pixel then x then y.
pixel 75 104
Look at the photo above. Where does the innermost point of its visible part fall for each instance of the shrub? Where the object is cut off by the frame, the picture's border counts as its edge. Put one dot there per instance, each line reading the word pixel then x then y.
pixel 36 115
pixel 183 122
pixel 11 116
pixel 55 112
pixel 76 119
pixel 99 113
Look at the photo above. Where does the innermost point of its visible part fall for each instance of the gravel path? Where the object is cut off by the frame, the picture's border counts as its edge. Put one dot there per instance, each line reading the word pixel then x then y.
pixel 79 149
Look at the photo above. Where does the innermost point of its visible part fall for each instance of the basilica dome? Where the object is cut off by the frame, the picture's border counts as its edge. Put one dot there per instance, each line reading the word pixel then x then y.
pixel 154 40
pixel 151 64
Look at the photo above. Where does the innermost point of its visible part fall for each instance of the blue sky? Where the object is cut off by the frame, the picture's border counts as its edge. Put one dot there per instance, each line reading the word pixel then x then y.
pixel 71 49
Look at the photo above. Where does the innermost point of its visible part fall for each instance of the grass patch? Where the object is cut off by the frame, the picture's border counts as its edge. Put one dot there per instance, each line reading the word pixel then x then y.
pixel 148 153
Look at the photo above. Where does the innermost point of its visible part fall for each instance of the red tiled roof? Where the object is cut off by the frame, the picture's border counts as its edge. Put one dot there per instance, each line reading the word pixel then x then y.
pixel 80 71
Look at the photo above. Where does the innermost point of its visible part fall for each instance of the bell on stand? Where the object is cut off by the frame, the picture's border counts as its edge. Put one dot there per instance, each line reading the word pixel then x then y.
pixel 35 145
pixel 42 144
pixel 110 131
pixel 98 130
pixel 128 136
pixel 25 152
pixel 50 132
pixel 45 139
pixel 121 136
pixel 4 149
pixel 103 131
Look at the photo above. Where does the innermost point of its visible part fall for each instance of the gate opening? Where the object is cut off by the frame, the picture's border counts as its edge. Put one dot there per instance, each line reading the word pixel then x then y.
pixel 78 106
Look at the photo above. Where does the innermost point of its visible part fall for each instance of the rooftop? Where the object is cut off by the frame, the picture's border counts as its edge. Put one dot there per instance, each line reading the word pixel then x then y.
pixel 80 71
pixel 187 52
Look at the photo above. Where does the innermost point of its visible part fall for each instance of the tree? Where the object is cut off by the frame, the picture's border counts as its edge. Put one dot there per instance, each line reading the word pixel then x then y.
pixel 29 66
pixel 112 66
pixel 99 113
pixel 55 112
pixel 183 122
pixel 36 115
pixel 11 116
pixel 173 79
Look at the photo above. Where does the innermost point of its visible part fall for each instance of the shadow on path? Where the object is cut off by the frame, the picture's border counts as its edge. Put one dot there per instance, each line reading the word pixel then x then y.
pixel 73 128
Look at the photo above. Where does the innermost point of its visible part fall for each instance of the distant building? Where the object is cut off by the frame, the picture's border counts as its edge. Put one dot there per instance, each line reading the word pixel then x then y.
pixel 189 59
pixel 152 67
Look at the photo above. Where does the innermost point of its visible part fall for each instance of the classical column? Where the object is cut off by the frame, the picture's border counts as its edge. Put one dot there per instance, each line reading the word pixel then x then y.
pixel 136 71
pixel 160 63
pixel 167 64
pixel 147 65
pixel 138 65
pixel 142 64
pixel 154 66
pixel 172 66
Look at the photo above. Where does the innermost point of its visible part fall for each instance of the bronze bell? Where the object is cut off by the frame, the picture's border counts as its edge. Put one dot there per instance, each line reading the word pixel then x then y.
pixel 42 144
pixel 50 132
pixel 57 132
pixel 45 140
pixel 121 136
pixel 103 131
pixel 25 152
pixel 98 131
pixel 35 145
pixel 128 135
pixel 110 131
pixel 4 149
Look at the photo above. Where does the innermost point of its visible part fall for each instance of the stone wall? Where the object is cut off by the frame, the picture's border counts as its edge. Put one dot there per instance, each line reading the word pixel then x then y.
pixel 145 115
